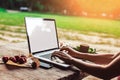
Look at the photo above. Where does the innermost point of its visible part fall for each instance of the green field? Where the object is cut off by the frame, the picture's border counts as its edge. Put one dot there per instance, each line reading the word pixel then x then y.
pixel 111 27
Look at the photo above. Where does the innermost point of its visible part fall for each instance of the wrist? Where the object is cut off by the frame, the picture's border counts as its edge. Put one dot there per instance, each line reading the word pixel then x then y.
pixel 72 59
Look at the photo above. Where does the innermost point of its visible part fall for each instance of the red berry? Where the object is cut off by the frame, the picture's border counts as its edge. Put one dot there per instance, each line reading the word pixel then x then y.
pixel 13 59
pixel 5 59
pixel 24 58
pixel 21 60
pixel 17 58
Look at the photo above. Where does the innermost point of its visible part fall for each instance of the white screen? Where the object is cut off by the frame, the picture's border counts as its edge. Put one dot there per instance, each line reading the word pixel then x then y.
pixel 42 34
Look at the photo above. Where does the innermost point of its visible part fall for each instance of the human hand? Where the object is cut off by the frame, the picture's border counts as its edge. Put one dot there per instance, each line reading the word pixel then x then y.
pixel 63 55
pixel 70 51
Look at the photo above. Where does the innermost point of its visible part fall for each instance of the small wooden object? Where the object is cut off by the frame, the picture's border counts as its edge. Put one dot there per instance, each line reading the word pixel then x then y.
pixel 84 48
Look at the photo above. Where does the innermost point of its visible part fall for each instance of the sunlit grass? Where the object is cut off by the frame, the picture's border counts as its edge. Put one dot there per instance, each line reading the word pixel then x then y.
pixel 79 24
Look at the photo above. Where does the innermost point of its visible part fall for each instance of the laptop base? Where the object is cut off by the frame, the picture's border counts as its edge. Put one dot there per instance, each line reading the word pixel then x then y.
pixel 45 65
pixel 48 63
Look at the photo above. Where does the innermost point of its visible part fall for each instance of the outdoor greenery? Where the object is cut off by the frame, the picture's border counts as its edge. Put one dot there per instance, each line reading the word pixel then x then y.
pixel 54 6
pixel 2 10
pixel 111 27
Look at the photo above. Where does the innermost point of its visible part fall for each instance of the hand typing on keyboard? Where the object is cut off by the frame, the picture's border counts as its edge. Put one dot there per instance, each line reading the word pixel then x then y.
pixel 57 59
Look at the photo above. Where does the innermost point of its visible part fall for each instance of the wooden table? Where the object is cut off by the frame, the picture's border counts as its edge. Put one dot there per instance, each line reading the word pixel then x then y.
pixel 17 73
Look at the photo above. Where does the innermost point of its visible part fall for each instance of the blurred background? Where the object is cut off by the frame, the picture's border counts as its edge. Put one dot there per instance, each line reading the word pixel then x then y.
pixel 91 8
pixel 93 22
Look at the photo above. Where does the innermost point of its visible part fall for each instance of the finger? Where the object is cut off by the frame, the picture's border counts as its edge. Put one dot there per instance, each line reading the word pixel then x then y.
pixel 54 54
pixel 61 44
pixel 63 57
pixel 63 48
pixel 60 55
pixel 66 54
pixel 57 53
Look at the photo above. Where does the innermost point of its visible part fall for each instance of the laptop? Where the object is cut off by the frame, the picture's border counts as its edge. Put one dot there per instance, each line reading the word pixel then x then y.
pixel 43 40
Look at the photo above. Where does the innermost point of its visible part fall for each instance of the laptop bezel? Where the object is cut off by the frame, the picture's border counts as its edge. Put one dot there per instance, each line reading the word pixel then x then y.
pixel 28 39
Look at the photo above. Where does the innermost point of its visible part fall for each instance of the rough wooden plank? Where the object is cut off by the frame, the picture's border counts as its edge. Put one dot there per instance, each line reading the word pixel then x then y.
pixel 8 72
pixel 15 73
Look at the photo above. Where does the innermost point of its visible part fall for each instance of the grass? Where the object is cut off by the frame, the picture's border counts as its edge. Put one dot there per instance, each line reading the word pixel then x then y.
pixel 111 27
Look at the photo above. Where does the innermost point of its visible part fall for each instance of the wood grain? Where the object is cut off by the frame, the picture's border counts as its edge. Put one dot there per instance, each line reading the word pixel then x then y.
pixel 9 72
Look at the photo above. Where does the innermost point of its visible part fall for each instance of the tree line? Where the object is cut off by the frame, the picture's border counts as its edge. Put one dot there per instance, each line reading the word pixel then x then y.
pixel 54 6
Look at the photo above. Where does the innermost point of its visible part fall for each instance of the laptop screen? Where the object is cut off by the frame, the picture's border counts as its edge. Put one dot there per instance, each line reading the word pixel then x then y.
pixel 41 33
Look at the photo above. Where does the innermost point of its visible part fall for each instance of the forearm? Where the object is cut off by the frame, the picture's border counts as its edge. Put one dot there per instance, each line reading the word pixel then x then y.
pixel 96 58
pixel 93 69
pixel 102 71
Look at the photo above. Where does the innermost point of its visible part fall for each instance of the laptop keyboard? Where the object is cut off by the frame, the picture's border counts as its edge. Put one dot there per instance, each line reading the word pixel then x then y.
pixel 48 56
